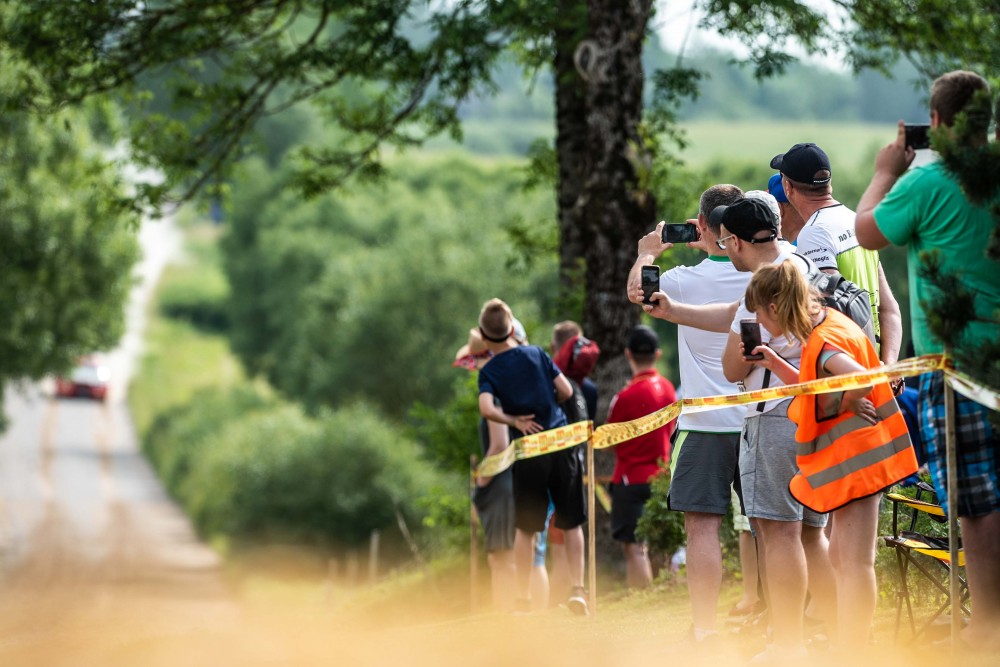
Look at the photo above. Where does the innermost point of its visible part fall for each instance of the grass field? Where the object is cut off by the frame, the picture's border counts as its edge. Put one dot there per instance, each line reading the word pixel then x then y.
pixel 851 144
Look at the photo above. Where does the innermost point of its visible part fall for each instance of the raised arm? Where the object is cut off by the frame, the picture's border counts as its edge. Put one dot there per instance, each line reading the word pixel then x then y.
pixel 890 163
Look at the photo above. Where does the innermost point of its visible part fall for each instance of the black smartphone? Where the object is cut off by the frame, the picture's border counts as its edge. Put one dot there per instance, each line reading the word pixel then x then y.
pixel 650 282
pixel 750 335
pixel 918 136
pixel 679 233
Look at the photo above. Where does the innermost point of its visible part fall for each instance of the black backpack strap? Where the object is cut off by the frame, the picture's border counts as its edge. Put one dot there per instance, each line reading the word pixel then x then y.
pixel 767 382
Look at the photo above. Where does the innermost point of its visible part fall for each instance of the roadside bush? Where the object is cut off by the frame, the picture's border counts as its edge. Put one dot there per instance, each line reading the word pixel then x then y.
pixel 176 438
pixel 197 295
pixel 331 481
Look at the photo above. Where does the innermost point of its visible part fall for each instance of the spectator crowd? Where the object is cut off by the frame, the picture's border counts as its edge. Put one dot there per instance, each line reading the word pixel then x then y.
pixel 804 475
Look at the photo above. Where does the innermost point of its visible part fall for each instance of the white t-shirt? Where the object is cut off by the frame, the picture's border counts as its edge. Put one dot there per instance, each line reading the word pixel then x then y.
pixel 789 348
pixel 828 240
pixel 714 280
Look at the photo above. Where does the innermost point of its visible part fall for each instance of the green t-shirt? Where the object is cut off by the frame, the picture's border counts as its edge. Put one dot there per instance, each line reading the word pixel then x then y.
pixel 926 210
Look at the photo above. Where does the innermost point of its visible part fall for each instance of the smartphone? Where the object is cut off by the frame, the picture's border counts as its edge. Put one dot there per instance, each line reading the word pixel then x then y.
pixel 679 233
pixel 917 136
pixel 750 335
pixel 650 282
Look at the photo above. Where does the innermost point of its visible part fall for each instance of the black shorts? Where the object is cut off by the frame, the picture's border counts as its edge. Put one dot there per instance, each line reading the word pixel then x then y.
pixel 627 504
pixel 558 476
pixel 707 466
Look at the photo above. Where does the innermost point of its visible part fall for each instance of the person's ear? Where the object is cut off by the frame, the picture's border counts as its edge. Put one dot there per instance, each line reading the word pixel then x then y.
pixel 659 353
pixel 772 310
pixel 787 186
pixel 935 118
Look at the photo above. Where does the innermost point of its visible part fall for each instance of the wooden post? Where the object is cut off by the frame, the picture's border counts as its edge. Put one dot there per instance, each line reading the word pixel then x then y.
pixel 591 526
pixel 373 557
pixel 951 478
pixel 473 540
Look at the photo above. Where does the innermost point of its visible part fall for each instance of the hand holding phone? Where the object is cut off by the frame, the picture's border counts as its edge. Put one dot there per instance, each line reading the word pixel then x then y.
pixel 679 233
pixel 918 136
pixel 750 335
pixel 650 282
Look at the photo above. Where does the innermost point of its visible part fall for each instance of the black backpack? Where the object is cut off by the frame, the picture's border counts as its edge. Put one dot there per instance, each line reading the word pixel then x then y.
pixel 575 406
pixel 844 296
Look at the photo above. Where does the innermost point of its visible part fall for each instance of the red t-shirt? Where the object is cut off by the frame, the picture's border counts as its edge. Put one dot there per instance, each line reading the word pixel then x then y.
pixel 636 460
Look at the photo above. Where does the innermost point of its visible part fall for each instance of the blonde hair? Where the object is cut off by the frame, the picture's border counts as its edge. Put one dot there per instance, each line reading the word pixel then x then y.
pixel 496 319
pixel 785 287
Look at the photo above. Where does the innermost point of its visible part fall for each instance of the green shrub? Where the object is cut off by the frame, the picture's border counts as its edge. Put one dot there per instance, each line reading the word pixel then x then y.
pixel 198 295
pixel 330 481
pixel 176 438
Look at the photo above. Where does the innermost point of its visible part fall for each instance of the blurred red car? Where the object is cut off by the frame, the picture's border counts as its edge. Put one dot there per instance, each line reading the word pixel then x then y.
pixel 89 379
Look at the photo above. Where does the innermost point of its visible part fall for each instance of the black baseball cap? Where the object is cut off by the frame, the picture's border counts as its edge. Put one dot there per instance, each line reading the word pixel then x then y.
pixel 804 163
pixel 643 340
pixel 746 218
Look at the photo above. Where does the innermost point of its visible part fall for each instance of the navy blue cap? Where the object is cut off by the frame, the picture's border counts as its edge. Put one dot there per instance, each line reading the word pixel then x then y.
pixel 804 163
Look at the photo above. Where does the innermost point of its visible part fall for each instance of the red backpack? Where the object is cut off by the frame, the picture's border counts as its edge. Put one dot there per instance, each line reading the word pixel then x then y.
pixel 577 358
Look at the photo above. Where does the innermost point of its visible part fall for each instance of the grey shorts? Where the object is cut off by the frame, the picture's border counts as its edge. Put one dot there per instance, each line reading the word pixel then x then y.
pixel 704 471
pixel 767 464
pixel 495 507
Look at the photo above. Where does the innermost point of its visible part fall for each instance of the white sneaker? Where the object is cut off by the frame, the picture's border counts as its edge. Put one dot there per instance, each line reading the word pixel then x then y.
pixel 577 602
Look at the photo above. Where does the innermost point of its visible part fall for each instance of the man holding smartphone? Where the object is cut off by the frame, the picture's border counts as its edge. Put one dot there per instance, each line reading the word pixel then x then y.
pixel 706 448
pixel 790 535
pixel 925 208
pixel 828 239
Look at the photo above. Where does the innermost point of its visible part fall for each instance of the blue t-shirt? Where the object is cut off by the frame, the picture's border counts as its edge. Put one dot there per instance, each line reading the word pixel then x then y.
pixel 522 379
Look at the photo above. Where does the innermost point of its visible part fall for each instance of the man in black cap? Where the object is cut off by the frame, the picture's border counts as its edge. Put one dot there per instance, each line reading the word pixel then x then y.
pixel 791 535
pixel 827 238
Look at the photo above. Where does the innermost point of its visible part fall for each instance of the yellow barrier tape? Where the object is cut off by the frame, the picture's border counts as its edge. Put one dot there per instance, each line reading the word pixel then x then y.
pixel 973 390
pixel 610 435
pixel 536 444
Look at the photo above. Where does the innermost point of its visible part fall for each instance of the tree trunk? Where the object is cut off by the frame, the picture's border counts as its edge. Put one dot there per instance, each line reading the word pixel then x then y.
pixel 571 146
pixel 616 211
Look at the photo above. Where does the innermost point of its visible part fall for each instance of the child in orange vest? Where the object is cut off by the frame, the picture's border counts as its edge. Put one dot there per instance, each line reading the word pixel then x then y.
pixel 852 444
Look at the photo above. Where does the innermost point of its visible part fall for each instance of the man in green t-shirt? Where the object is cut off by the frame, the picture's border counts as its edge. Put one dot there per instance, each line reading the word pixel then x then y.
pixel 925 209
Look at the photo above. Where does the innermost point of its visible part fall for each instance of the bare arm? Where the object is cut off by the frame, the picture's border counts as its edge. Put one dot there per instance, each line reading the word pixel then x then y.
pixel 709 317
pixel 890 163
pixel 855 400
pixel 890 321
pixel 775 363
pixel 650 247
pixel 734 366
pixel 499 440
pixel 563 388
pixel 524 423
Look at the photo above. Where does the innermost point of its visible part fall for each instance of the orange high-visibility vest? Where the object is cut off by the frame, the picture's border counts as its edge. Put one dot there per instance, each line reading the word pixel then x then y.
pixel 844 458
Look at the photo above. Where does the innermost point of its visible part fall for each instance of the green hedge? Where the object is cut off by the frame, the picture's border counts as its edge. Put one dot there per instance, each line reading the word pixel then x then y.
pixel 248 467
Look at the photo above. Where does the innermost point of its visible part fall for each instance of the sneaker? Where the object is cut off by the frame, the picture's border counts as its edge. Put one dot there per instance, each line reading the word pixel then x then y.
pixel 577 602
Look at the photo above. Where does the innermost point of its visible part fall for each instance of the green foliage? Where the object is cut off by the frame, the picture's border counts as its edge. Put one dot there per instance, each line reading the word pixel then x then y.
pixel 68 245
pixel 449 434
pixel 661 528
pixel 246 466
pixel 368 297
pixel 198 297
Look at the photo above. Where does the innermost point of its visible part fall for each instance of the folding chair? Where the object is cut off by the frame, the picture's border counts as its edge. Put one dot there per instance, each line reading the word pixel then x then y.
pixel 927 553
